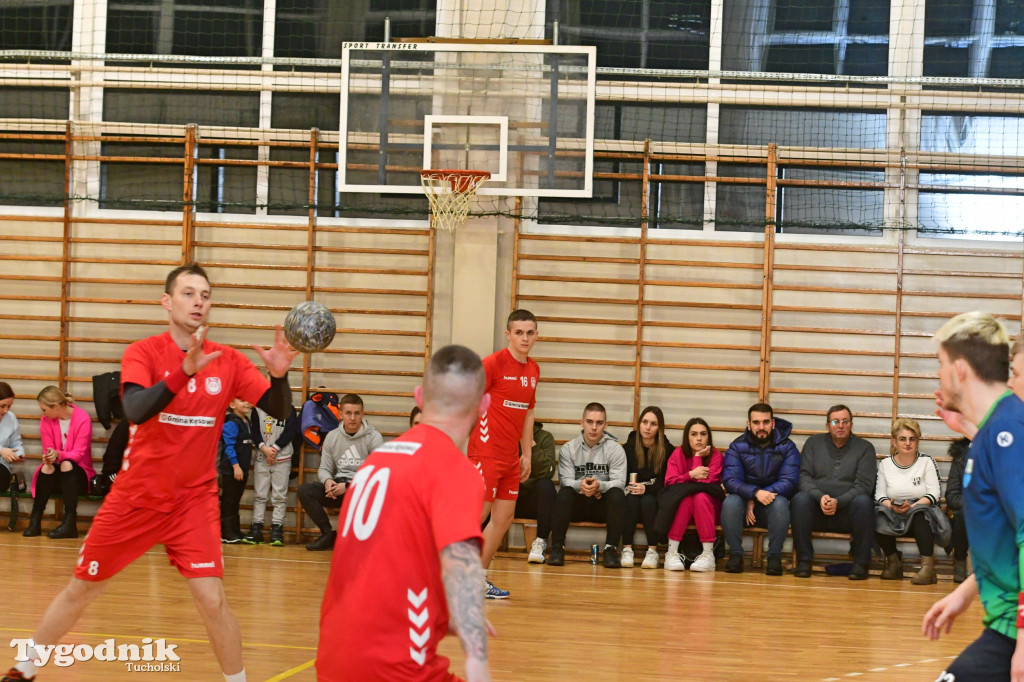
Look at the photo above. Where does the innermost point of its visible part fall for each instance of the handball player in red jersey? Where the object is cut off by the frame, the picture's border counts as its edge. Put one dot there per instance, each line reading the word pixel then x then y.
pixel 175 387
pixel 502 442
pixel 381 619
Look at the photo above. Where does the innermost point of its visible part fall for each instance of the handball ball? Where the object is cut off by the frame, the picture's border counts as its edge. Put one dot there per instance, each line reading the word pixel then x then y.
pixel 309 327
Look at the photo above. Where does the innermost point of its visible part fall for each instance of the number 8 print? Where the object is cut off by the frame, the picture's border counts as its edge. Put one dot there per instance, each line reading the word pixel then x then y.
pixel 368 489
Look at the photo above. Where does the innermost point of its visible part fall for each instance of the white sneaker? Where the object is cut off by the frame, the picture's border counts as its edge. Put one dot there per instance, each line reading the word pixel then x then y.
pixel 626 558
pixel 674 562
pixel 705 563
pixel 537 551
pixel 650 559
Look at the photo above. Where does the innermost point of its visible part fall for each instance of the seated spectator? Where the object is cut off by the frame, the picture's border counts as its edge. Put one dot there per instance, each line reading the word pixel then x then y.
pixel 343 452
pixel 11 449
pixel 647 451
pixel 955 507
pixel 762 470
pixel 66 434
pixel 837 479
pixel 274 440
pixel 537 493
pixel 113 457
pixel 693 490
pixel 233 463
pixel 906 498
pixel 415 416
pixel 592 476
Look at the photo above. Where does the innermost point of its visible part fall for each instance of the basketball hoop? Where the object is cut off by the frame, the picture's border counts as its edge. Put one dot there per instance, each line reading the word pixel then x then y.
pixel 449 192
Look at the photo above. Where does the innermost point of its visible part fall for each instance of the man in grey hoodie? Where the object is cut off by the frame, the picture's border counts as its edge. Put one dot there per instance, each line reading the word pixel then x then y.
pixel 592 480
pixel 343 452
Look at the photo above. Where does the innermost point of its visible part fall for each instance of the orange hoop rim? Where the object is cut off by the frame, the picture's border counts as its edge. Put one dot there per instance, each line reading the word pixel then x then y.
pixel 461 181
pixel 442 173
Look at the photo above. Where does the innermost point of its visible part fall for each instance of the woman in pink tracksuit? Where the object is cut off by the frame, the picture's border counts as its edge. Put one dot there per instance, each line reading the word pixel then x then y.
pixel 699 464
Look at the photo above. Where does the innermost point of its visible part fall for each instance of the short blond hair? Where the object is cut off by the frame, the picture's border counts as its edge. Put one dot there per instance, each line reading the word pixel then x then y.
pixel 905 424
pixel 980 340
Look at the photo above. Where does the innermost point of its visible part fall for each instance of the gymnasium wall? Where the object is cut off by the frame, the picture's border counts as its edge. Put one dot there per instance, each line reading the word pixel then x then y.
pixel 790 237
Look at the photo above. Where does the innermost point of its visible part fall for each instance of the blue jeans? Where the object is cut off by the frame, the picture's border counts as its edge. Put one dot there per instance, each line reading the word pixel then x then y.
pixel 774 517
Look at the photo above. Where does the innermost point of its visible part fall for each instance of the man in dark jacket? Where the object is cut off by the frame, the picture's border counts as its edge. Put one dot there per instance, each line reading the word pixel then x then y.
pixel 837 483
pixel 955 505
pixel 761 471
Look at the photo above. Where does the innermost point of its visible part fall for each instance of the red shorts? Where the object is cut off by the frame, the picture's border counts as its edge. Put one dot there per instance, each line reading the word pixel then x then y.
pixel 501 478
pixel 121 533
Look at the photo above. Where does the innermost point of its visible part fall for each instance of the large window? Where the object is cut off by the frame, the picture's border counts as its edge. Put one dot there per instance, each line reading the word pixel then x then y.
pixel 317 28
pixel 645 34
pixel 974 38
pixel 38 25
pixel 841 37
pixel 214 28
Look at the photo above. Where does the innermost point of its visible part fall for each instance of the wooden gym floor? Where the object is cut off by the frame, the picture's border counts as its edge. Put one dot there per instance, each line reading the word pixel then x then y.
pixel 575 621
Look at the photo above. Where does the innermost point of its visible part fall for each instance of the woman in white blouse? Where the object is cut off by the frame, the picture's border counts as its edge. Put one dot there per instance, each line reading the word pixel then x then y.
pixel 906 503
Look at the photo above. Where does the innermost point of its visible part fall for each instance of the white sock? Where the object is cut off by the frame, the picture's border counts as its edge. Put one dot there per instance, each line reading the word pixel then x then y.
pixel 673 546
pixel 27 668
pixel 709 547
pixel 237 677
pixel 607 546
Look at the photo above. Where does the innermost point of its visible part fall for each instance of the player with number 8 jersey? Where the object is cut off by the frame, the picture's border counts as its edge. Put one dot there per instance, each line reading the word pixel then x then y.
pixel 175 389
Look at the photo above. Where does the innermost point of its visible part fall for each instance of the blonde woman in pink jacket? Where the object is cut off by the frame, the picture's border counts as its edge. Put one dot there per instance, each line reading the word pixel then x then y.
pixel 66 433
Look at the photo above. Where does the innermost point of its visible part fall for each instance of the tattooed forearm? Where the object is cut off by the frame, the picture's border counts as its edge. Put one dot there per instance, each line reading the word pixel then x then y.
pixel 463 585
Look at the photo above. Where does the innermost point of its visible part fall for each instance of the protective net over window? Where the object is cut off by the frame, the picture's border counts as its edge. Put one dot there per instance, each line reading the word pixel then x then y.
pixel 855 121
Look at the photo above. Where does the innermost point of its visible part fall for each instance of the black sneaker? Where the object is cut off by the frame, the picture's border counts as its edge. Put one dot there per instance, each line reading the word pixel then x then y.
pixel 277 535
pixel 774 566
pixel 324 543
pixel 859 572
pixel 802 569
pixel 735 564
pixel 611 558
pixel 255 536
pixel 556 555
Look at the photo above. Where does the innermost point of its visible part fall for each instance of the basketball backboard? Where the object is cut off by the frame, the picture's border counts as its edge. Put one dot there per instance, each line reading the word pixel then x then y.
pixel 525 113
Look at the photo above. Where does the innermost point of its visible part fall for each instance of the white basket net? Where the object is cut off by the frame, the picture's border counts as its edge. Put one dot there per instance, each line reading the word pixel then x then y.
pixel 449 193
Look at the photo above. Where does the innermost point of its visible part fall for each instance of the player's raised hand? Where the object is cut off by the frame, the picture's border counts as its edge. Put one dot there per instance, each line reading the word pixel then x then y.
pixel 954 420
pixel 278 358
pixel 195 358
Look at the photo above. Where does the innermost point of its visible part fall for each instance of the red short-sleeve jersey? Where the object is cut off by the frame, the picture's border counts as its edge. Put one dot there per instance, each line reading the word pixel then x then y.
pixel 513 388
pixel 384 609
pixel 174 453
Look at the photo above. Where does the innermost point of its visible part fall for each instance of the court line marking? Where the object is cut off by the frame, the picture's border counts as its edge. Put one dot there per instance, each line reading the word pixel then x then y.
pixel 173 639
pixel 883 669
pixel 325 561
pixel 709 578
pixel 294 671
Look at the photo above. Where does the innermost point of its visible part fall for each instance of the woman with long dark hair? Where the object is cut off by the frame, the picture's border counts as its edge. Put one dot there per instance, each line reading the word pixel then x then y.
pixel 646 458
pixel 693 490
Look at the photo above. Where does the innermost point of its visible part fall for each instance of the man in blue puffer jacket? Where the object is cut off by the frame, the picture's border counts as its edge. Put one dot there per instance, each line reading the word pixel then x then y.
pixel 761 474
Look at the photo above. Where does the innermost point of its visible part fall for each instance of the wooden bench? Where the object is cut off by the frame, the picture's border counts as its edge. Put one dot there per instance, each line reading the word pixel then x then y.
pixel 529 527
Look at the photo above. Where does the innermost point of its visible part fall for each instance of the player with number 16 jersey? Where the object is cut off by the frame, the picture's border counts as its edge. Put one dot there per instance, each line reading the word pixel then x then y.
pixel 494 443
